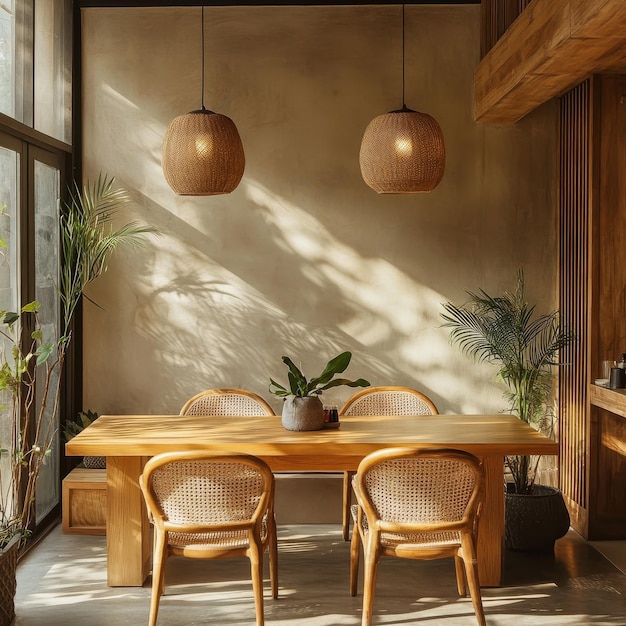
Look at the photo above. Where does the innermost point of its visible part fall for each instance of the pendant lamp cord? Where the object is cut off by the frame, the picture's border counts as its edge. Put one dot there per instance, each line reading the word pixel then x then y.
pixel 403 100
pixel 202 81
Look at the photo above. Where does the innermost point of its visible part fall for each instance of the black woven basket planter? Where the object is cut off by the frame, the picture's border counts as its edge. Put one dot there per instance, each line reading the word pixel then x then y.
pixel 95 462
pixel 534 522
pixel 8 582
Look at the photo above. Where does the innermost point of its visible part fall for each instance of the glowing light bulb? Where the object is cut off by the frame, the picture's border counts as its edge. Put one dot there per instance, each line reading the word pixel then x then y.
pixel 204 145
pixel 404 146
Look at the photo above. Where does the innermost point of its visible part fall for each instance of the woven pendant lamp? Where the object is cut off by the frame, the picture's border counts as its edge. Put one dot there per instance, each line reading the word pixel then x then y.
pixel 402 151
pixel 202 151
pixel 202 154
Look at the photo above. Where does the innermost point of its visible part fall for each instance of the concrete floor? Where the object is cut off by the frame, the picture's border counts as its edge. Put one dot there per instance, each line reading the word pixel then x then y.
pixel 63 581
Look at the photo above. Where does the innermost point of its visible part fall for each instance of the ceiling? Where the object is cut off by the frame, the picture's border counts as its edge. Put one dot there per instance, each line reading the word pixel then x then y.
pixel 277 3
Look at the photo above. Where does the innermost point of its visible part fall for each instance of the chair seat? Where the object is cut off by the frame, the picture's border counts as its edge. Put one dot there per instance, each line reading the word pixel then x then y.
pixel 236 539
pixel 209 540
pixel 421 540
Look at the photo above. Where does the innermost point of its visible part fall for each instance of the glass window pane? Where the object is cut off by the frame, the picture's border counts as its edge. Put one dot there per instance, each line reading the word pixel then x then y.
pixel 35 58
pixel 16 59
pixel 53 68
pixel 9 186
pixel 47 193
pixel 7 58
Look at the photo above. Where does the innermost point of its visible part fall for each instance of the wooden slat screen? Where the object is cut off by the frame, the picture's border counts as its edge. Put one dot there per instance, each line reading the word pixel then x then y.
pixel 574 237
pixel 497 16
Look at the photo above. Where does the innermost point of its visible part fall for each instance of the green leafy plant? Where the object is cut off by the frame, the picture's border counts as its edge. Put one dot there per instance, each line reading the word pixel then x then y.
pixel 301 387
pixel 506 330
pixel 88 238
pixel 29 359
pixel 83 419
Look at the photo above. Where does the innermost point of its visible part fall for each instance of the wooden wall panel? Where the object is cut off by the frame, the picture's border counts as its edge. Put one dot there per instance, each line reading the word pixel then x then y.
pixel 592 238
pixel 610 217
pixel 574 235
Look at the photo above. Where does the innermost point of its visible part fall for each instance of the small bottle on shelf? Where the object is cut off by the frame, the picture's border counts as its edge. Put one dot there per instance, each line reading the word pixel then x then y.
pixel 622 362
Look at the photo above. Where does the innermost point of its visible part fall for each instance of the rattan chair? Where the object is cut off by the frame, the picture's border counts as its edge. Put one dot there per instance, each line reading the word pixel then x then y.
pixel 208 506
pixel 227 402
pixel 380 401
pixel 417 504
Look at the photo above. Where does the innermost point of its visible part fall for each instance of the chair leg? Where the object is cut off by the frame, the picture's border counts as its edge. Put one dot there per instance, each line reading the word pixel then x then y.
pixel 255 554
pixel 370 571
pixel 471 571
pixel 355 548
pixel 459 567
pixel 159 557
pixel 273 557
pixel 347 501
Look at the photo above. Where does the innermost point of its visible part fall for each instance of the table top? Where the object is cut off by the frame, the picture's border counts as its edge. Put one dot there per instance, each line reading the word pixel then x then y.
pixel 147 435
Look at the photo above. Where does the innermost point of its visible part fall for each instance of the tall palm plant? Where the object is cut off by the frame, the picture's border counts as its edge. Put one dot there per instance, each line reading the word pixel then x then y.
pixel 30 359
pixel 88 238
pixel 505 330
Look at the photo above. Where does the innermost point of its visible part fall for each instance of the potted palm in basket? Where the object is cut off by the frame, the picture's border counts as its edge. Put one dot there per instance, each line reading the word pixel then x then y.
pixel 31 362
pixel 507 331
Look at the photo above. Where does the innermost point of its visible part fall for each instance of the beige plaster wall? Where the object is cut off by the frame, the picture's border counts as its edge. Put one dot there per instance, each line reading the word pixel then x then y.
pixel 303 258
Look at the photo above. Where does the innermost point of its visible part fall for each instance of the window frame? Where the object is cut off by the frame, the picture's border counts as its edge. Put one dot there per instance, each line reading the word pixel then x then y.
pixel 32 146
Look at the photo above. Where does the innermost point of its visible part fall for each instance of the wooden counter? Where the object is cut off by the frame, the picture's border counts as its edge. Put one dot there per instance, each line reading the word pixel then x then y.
pixel 613 400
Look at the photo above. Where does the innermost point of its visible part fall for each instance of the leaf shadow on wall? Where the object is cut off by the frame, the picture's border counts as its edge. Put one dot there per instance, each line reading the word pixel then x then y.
pixel 220 302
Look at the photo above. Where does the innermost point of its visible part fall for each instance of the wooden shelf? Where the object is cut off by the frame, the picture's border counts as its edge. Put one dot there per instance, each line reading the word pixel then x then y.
pixel 613 400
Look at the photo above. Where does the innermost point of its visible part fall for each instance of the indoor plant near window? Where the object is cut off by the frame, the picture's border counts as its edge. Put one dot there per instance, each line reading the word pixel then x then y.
pixel 31 362
pixel 506 330
pixel 302 407
pixel 73 427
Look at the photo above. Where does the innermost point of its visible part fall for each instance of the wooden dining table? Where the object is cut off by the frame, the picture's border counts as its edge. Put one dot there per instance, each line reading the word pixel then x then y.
pixel 128 441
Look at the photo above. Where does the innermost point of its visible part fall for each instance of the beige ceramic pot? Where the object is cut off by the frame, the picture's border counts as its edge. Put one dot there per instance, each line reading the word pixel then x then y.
pixel 303 413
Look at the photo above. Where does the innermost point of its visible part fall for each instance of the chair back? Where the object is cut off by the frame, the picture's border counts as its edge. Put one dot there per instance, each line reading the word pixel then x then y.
pixel 194 491
pixel 227 402
pixel 422 490
pixel 389 401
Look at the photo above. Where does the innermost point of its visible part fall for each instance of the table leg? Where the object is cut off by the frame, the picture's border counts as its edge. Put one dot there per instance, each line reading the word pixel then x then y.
pixel 491 528
pixel 128 530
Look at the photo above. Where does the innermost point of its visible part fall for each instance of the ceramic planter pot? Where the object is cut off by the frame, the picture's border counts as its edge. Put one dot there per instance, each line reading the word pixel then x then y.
pixel 303 413
pixel 534 522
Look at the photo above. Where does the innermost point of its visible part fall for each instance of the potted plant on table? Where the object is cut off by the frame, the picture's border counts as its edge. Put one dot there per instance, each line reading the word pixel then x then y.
pixel 302 407
pixel 31 362
pixel 506 330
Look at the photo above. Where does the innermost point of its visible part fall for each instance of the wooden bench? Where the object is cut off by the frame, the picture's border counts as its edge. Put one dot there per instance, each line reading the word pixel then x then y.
pixel 84 502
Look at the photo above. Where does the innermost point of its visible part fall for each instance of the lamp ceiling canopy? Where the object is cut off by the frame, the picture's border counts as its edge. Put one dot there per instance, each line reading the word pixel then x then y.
pixel 253 3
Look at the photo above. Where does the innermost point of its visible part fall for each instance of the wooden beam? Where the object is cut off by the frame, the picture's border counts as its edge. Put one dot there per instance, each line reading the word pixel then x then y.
pixel 551 47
